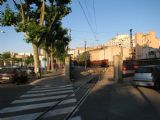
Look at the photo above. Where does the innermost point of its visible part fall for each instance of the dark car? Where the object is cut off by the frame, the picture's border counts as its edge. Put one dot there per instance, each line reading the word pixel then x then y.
pixel 30 71
pixel 156 77
pixel 12 75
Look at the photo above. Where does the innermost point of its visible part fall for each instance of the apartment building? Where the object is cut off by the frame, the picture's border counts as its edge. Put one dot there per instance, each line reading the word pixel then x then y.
pixel 147 45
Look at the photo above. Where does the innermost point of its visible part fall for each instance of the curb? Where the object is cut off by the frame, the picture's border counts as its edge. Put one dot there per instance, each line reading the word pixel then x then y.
pixel 33 82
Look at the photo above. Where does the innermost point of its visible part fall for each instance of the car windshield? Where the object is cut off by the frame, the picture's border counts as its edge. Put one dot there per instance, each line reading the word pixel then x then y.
pixel 144 70
pixel 7 70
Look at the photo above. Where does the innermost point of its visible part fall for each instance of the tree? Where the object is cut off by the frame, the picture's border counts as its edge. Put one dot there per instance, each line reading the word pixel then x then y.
pixel 81 58
pixel 6 56
pixel 30 17
pixel 29 60
pixel 60 9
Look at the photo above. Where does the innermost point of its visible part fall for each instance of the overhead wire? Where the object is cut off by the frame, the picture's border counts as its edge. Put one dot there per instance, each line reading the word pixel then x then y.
pixel 89 15
pixel 87 19
pixel 95 20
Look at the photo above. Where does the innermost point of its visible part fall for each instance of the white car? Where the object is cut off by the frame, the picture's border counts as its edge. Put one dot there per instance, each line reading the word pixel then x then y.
pixel 143 76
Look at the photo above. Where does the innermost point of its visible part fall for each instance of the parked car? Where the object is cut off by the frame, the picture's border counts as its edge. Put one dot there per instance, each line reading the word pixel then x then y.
pixel 30 71
pixel 12 75
pixel 145 76
pixel 128 68
pixel 156 77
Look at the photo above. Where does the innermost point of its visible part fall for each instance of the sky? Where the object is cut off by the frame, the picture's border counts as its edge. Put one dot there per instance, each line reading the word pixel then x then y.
pixel 106 18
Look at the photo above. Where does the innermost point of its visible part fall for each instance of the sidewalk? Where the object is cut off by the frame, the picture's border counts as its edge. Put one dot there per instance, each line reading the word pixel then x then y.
pixel 44 76
pixel 112 101
pixel 80 77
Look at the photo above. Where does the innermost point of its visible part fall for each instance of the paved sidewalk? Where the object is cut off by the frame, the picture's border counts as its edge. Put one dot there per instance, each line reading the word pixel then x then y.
pixel 112 101
pixel 47 75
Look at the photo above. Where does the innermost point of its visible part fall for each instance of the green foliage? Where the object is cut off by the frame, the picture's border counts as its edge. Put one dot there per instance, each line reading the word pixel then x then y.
pixel 8 18
pixel 83 56
pixel 33 30
pixel 17 60
pixel 2 1
pixel 27 16
pixel 29 60
pixel 5 56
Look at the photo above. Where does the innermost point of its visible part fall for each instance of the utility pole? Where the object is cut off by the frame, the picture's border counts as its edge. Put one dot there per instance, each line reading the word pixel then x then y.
pixel 85 54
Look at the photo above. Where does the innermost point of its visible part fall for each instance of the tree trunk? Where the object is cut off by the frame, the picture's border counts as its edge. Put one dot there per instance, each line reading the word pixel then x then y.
pixel 52 68
pixel 47 61
pixel 36 60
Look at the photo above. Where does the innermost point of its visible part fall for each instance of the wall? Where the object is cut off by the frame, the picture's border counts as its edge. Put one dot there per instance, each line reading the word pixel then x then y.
pixel 146 43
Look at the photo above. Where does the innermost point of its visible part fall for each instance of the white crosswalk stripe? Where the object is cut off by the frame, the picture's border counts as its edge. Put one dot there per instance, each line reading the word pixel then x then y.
pixel 43 88
pixel 23 117
pixel 59 111
pixel 50 93
pixel 57 89
pixel 39 99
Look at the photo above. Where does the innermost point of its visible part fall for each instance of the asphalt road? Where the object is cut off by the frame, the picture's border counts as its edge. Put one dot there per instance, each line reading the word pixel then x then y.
pixel 107 101
pixel 28 101
pixel 10 92
pixel 111 101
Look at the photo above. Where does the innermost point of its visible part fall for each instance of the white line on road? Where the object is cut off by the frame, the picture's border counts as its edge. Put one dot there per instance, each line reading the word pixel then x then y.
pixel 35 106
pixel 38 99
pixel 44 94
pixel 76 118
pixel 35 115
pixel 23 117
pixel 27 107
pixel 68 101
pixel 50 90
pixel 43 87
pixel 59 112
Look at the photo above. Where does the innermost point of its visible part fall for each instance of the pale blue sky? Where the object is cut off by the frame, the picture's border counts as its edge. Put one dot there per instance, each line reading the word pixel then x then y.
pixel 112 16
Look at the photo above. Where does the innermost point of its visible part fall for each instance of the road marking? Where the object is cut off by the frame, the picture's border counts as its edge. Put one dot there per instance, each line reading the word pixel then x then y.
pixel 27 107
pixel 42 87
pixel 68 101
pixel 49 90
pixel 33 116
pixel 39 99
pixel 59 111
pixel 23 117
pixel 76 118
pixel 35 106
pixel 38 92
pixel 50 93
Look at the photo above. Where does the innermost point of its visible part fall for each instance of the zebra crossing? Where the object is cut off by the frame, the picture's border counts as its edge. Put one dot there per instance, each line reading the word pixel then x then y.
pixel 35 101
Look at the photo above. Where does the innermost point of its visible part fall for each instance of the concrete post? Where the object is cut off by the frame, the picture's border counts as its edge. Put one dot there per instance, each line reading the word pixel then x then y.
pixel 117 59
pixel 67 68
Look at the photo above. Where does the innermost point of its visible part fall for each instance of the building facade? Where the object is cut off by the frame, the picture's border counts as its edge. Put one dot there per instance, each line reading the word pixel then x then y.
pixel 147 45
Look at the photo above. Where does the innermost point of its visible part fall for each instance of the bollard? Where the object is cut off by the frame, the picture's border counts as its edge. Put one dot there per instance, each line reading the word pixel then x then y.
pixel 118 68
pixel 67 68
